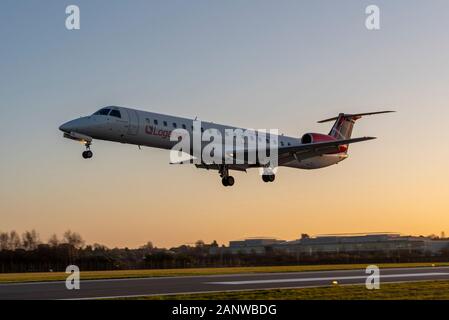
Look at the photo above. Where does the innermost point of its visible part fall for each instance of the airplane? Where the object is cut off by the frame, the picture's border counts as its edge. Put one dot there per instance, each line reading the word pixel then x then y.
pixel 142 128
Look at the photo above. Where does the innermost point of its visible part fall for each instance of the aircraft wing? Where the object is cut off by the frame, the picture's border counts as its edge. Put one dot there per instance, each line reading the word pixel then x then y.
pixel 285 154
pixel 305 151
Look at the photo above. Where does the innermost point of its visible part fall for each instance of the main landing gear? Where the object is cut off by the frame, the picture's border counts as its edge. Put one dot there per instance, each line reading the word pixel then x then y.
pixel 87 154
pixel 268 177
pixel 226 179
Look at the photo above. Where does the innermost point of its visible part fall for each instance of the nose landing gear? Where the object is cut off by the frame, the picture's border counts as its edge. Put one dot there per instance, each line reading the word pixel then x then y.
pixel 87 154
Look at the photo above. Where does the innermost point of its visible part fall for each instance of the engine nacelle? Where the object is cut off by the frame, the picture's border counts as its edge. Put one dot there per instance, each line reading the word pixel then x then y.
pixel 318 137
pixel 315 138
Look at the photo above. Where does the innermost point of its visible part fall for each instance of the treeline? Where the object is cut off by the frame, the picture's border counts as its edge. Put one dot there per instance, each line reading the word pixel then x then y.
pixel 30 240
pixel 27 253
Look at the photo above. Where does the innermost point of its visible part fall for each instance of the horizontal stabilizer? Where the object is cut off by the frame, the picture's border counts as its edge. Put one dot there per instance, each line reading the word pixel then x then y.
pixel 356 115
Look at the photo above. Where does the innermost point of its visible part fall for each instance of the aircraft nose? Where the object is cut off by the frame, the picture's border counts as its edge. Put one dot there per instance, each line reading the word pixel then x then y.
pixel 63 127
pixel 67 127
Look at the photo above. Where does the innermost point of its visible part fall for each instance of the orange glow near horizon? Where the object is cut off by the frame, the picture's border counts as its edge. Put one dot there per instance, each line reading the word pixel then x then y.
pixel 222 61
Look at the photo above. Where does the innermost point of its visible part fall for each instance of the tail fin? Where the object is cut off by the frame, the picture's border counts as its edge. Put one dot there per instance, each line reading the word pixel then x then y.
pixel 344 123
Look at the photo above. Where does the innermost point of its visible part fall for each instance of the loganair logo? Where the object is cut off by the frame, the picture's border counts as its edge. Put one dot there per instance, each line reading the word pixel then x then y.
pixel 154 131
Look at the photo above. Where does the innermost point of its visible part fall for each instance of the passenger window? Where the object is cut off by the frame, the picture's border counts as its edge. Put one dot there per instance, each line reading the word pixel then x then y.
pixel 175 125
pixel 165 123
pixel 155 121
pixel 184 126
pixel 115 113
pixel 282 143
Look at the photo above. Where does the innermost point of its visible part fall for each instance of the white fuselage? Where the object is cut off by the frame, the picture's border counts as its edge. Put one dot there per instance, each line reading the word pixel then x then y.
pixel 153 130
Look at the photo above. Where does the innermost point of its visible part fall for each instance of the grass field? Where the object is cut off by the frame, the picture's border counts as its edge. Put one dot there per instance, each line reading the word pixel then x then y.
pixel 120 274
pixel 426 290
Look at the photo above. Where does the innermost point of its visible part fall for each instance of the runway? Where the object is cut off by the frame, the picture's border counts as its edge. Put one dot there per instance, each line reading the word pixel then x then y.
pixel 110 288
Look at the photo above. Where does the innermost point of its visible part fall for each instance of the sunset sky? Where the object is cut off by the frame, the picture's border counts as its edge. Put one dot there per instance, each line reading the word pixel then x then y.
pixel 256 63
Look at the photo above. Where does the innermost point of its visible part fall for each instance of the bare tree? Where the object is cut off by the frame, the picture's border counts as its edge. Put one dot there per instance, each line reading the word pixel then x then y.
pixel 4 241
pixel 73 239
pixel 53 241
pixel 14 241
pixel 30 240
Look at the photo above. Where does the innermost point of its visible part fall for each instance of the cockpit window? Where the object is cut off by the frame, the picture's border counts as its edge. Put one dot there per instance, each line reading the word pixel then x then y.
pixel 115 113
pixel 102 112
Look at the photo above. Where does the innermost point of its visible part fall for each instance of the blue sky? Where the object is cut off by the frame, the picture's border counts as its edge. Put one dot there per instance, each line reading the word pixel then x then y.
pixel 263 64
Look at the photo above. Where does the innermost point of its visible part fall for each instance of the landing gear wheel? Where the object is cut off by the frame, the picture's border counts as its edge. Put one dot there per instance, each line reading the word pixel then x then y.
pixel 87 154
pixel 224 181
pixel 228 181
pixel 268 177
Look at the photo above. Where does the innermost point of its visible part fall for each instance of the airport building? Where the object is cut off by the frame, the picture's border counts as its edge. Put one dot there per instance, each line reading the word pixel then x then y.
pixel 340 243
pixel 253 245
